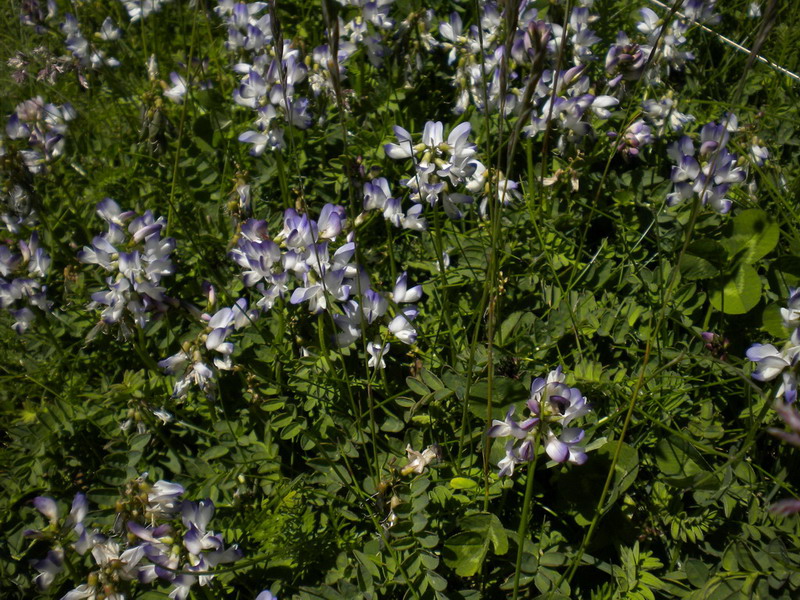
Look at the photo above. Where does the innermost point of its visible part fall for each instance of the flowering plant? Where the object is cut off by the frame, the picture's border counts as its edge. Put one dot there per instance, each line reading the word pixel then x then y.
pixel 552 406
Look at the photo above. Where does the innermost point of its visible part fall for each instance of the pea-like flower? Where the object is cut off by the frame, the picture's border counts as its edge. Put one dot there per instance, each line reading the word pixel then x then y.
pixel 134 282
pixel 552 403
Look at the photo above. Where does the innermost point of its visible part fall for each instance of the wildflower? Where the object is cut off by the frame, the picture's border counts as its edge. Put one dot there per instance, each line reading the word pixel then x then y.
pixel 178 89
pixel 48 567
pixel 376 353
pixel 402 293
pixel 24 272
pixel 552 404
pixel 440 166
pixel 773 362
pixel 401 326
pixel 708 172
pixel 418 461
pixel 716 344
pixel 134 282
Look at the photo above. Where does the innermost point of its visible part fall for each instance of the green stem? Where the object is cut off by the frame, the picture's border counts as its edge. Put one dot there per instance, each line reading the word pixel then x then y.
pixel 523 524
pixel 181 125
pixel 140 345
pixel 445 296
pixel 287 201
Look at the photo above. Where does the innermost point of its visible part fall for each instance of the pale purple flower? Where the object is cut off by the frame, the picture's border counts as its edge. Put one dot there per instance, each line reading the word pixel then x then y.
pixel 552 404
pixel 401 326
pixel 402 293
pixel 49 567
pixel 376 353
pixel 178 89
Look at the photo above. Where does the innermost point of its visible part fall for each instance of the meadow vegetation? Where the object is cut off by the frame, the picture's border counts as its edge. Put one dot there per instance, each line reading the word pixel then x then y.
pixel 364 299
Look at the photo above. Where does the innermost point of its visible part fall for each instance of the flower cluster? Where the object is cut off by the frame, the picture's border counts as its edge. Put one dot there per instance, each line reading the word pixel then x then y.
pixel 20 285
pixel 663 113
pixel 82 50
pixel 42 126
pixel 636 136
pixel 39 64
pixel 19 212
pixel 709 172
pixel 198 360
pixel 772 362
pixel 627 60
pixel 480 51
pixel 528 83
pixel 552 403
pixel 440 168
pixel 141 9
pixel 167 540
pixel 36 13
pixel 301 257
pixel 137 257
pixel 366 27
pixel 565 105
pixel 270 76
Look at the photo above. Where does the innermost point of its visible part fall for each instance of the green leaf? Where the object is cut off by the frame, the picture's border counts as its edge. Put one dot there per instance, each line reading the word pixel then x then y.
pixel 754 235
pixel 436 581
pixel 679 464
pixel 431 380
pixel 462 483
pixel 625 471
pixel 787 272
pixel 703 259
pixel 696 572
pixel 508 326
pixel 466 551
pixel 214 452
pixel 772 321
pixel 139 441
pixel 737 294
pixel 416 386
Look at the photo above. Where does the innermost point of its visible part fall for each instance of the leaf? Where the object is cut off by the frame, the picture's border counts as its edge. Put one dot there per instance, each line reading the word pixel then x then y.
pixel 787 271
pixel 462 483
pixel 431 380
pixel 214 452
pixel 696 572
pixel 392 424
pixel 416 386
pixel 436 581
pixel 737 294
pixel 625 471
pixel 139 441
pixel 465 551
pixel 506 391
pixel 703 259
pixel 754 235
pixel 772 321
pixel 508 326
pixel 679 461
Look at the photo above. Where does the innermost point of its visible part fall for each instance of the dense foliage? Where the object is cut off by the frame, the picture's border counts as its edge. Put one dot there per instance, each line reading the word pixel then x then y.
pixel 390 299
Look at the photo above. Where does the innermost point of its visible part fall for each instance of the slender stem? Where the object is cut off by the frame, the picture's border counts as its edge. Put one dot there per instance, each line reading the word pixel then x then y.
pixel 522 532
pixel 181 125
pixel 287 201
pixel 438 245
